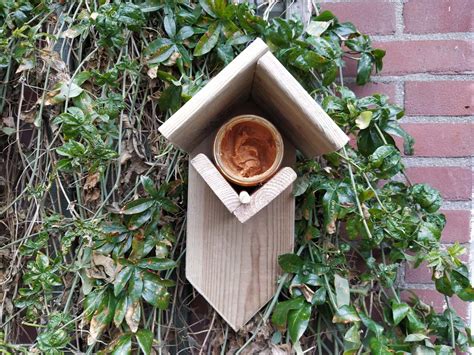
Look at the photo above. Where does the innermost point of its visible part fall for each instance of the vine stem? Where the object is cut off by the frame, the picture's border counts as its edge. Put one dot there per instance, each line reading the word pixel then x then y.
pixel 451 323
pixel 270 307
pixel 364 221
pixel 354 188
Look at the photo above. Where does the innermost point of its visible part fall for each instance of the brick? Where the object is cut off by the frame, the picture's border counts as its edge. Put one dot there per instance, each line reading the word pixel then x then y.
pixel 368 16
pixel 373 88
pixel 422 274
pixel 441 139
pixel 445 98
pixel 454 183
pixel 435 56
pixel 350 69
pixel 436 300
pixel 457 227
pixel 440 16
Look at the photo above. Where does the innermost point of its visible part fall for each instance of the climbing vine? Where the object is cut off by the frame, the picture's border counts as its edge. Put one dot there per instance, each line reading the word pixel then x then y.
pixel 93 198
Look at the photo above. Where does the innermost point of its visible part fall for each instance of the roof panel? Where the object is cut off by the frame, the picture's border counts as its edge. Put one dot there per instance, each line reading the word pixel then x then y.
pixel 300 117
pixel 190 124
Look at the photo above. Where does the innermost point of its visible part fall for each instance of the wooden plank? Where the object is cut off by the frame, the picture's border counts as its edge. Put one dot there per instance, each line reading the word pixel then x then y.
pixel 307 125
pixel 216 182
pixel 266 194
pixel 301 9
pixel 191 124
pixel 234 265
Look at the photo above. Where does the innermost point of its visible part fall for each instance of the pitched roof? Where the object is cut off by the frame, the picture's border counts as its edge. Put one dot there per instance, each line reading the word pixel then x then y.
pixel 256 74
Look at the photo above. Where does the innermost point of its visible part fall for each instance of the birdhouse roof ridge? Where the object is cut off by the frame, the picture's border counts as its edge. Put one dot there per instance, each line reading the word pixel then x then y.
pixel 257 75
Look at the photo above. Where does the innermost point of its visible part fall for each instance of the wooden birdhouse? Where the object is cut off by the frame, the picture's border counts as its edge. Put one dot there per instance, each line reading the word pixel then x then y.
pixel 241 131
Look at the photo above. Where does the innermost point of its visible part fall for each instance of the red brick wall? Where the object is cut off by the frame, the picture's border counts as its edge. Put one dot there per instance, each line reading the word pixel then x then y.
pixel 428 69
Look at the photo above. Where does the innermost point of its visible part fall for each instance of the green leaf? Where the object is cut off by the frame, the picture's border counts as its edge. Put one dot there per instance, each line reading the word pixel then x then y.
pixel 346 314
pixel 378 55
pixel 316 28
pixel 386 161
pixel 170 98
pixel 159 50
pixel 71 149
pixel 145 340
pixel 168 205
pixel 341 285
pixel 185 32
pixel 371 324
pixel 298 320
pixel 102 316
pixel 363 120
pixel 415 337
pixel 169 25
pixel 131 15
pixel 399 312
pixel 123 345
pixel 148 185
pixel 353 335
pixel 393 127
pixel 121 279
pixel 208 40
pixel 280 313
pixel 364 68
pixel 156 264
pixel 138 220
pixel 325 16
pixel 378 347
pixel 414 323
pixel 153 292
pixel 121 310
pixel 207 6
pixel 225 53
pixel 135 287
pixel 368 140
pixel 137 206
pixel 290 263
pixel 428 232
pixel 360 43
pixel 68 90
pixel 81 78
pixel 319 297
pixel 301 184
pixel 427 197
pixel 330 74
pixel 8 130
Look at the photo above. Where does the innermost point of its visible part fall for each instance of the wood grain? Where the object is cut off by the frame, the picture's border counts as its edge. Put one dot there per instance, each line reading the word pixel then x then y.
pixel 302 9
pixel 218 184
pixel 266 194
pixel 234 265
pixel 307 125
pixel 192 123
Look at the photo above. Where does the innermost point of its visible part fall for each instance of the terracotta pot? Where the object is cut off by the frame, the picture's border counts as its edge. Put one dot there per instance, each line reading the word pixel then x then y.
pixel 248 150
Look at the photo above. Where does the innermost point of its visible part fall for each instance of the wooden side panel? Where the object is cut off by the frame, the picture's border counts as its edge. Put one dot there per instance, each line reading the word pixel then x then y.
pixel 307 125
pixel 232 264
pixel 218 184
pixel 266 194
pixel 187 127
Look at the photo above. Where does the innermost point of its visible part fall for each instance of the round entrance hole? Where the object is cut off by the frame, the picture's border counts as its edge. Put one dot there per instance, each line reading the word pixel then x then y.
pixel 248 150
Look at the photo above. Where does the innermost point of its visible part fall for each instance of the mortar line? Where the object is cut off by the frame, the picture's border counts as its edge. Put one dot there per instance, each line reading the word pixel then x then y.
pixel 399 20
pixel 450 36
pixel 450 162
pixel 456 206
pixel 437 119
